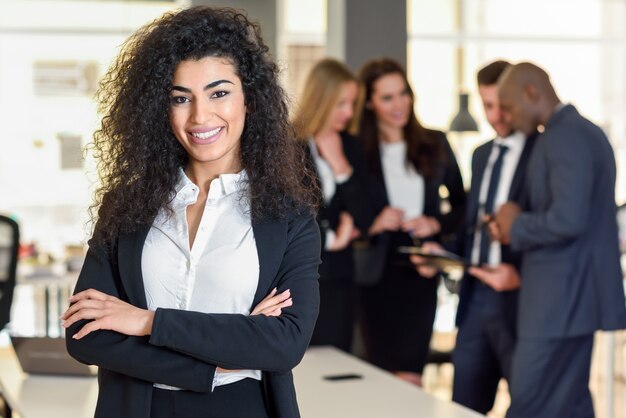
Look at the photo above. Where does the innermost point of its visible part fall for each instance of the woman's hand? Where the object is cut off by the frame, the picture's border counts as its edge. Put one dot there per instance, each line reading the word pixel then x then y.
pixel 345 233
pixel 422 226
pixel 273 304
pixel 106 312
pixel 389 219
pixel 421 263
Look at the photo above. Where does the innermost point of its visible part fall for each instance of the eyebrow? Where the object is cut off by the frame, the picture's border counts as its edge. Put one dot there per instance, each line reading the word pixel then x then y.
pixel 208 86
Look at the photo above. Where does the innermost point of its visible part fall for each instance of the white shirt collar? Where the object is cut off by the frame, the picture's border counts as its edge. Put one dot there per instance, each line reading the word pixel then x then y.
pixel 515 141
pixel 187 191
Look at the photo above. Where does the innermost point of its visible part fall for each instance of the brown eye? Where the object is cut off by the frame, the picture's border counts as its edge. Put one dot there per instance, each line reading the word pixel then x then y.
pixel 219 94
pixel 176 100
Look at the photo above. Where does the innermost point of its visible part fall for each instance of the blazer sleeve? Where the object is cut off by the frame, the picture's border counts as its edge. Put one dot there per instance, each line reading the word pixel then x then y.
pixel 255 342
pixel 131 356
pixel 353 193
pixel 570 186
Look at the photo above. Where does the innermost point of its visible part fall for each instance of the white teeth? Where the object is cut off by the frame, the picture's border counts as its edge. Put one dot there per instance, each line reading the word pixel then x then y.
pixel 206 135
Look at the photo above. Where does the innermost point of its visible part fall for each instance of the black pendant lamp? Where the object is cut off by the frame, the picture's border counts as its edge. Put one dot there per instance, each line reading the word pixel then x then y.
pixel 463 121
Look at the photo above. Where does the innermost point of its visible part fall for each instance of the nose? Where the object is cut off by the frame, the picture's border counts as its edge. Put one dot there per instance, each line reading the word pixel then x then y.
pixel 201 112
pixel 349 112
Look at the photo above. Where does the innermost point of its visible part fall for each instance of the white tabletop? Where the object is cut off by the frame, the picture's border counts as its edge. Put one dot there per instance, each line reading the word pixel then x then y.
pixel 45 396
pixel 377 394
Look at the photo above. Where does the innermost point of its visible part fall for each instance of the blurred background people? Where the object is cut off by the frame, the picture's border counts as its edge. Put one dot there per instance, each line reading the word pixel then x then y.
pixel 487 312
pixel 407 165
pixel 324 113
pixel 571 275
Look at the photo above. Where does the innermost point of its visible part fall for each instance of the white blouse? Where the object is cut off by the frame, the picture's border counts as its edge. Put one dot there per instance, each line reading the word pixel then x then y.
pixel 220 273
pixel 405 186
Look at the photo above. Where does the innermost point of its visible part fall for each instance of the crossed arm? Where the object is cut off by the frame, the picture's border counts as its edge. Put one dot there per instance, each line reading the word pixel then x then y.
pixel 183 348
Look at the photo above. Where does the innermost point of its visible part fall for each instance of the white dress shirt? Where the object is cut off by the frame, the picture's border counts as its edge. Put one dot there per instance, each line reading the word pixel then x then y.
pixel 405 186
pixel 515 144
pixel 220 273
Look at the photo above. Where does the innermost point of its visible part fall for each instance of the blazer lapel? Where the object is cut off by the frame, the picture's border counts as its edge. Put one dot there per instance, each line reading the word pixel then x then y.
pixel 271 242
pixel 478 172
pixel 129 252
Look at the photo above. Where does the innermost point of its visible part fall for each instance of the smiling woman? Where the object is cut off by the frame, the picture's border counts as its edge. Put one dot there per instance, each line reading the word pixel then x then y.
pixel 199 292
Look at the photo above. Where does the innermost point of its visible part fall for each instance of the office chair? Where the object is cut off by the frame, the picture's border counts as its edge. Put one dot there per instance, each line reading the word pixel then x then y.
pixel 621 224
pixel 9 244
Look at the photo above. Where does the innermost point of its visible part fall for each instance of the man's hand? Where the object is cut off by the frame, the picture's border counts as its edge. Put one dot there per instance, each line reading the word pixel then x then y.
pixel 500 278
pixel 500 229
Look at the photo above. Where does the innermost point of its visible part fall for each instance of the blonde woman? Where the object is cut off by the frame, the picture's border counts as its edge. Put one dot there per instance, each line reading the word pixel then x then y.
pixel 325 111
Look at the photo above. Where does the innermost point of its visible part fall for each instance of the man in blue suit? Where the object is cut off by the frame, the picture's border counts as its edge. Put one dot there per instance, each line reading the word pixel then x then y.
pixel 571 280
pixel 487 312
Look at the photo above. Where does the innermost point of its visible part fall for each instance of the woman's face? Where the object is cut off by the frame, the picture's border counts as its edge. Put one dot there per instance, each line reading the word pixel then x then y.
pixel 343 110
pixel 207 112
pixel 391 101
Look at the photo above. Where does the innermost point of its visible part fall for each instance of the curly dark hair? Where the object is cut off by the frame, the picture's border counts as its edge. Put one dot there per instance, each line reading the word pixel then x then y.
pixel 139 156
pixel 423 150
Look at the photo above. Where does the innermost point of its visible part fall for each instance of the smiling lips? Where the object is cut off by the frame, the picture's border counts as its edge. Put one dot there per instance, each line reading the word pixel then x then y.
pixel 205 137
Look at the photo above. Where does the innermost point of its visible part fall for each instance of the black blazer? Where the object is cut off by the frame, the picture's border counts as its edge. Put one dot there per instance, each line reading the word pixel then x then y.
pixel 447 173
pixel 516 194
pixel 571 274
pixel 350 196
pixel 186 347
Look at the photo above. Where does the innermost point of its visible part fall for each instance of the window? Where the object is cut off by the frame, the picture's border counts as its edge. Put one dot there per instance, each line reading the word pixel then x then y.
pixel 580 43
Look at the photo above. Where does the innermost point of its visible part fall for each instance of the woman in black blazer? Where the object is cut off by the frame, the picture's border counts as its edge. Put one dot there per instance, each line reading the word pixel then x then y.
pixel 408 165
pixel 195 137
pixel 324 114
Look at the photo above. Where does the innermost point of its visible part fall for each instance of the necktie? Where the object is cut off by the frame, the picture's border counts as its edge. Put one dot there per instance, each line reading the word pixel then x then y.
pixel 491 197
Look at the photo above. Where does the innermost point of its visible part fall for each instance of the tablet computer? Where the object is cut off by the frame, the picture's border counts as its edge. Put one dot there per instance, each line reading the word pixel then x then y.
pixel 441 259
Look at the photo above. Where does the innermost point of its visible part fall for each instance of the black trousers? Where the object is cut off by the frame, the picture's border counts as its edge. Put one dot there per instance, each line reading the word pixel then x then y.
pixel 337 315
pixel 550 378
pixel 397 318
pixel 236 400
pixel 482 355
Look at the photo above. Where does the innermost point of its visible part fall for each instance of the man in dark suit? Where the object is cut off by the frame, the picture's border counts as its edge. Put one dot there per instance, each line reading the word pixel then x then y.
pixel 570 275
pixel 488 298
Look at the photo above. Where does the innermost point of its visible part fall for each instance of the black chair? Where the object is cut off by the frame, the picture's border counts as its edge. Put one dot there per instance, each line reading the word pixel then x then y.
pixel 621 224
pixel 9 244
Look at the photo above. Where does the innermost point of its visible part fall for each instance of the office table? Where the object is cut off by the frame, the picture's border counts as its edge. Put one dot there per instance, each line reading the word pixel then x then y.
pixel 378 394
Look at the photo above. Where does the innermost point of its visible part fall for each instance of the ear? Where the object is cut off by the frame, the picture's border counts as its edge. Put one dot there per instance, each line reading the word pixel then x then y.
pixel 531 93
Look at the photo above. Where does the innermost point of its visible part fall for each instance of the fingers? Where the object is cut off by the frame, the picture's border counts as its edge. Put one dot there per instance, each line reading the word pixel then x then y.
pixel 494 231
pixel 81 305
pixel 422 227
pixel 88 328
pixel 272 301
pixel 89 294
pixel 423 267
pixel 432 247
pixel 277 309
